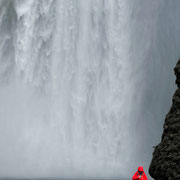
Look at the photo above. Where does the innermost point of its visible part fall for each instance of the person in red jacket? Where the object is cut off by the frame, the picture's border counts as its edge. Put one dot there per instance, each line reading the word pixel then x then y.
pixel 140 174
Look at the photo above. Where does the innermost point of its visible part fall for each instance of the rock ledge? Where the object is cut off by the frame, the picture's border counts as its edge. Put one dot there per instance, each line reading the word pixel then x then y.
pixel 165 164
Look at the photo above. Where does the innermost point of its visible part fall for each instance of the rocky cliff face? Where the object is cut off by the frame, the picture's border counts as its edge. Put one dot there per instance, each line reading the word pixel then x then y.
pixel 165 164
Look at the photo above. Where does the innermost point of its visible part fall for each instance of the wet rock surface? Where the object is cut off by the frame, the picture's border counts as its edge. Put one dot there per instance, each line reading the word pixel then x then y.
pixel 165 164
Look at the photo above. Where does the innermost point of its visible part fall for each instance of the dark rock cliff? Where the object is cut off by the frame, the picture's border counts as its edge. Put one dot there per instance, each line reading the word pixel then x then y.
pixel 165 164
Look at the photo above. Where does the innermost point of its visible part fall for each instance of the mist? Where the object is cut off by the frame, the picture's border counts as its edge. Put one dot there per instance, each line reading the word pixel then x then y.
pixel 84 85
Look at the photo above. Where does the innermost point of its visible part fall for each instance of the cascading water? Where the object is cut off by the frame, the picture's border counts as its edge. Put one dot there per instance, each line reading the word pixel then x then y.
pixel 84 86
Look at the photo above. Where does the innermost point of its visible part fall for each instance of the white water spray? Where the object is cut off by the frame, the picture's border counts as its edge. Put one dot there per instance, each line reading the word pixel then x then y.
pixel 70 94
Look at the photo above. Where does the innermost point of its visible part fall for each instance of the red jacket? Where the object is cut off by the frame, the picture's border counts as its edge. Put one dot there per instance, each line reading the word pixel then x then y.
pixel 137 175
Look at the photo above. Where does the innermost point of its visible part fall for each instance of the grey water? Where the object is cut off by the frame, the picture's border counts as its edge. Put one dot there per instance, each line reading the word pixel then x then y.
pixel 84 85
pixel 62 179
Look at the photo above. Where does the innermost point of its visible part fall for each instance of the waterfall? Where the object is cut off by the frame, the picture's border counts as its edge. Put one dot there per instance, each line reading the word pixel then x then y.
pixel 84 84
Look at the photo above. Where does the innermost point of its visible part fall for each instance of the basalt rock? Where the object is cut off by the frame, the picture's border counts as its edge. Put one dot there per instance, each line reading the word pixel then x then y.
pixel 165 164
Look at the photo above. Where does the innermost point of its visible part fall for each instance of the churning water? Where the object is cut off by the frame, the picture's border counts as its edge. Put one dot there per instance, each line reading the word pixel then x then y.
pixel 84 84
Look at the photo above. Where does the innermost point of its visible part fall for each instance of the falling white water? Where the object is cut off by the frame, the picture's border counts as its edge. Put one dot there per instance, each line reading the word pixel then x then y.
pixel 76 81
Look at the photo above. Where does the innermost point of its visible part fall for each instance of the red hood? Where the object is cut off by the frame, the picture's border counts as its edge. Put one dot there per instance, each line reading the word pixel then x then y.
pixel 140 168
